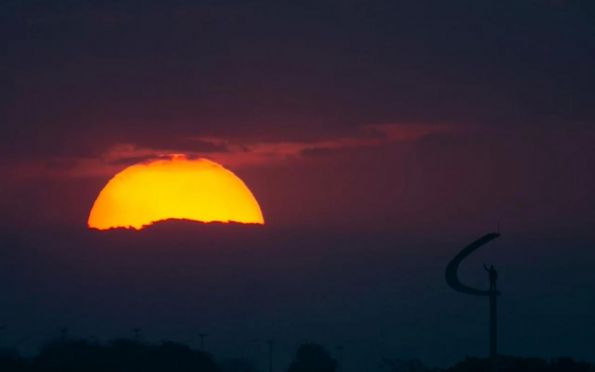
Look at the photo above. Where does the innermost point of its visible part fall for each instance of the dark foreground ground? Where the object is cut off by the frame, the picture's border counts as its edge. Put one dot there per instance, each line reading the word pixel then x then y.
pixel 130 355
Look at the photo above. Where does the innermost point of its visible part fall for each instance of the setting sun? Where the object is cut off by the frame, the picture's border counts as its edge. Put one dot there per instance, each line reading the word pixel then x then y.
pixel 173 188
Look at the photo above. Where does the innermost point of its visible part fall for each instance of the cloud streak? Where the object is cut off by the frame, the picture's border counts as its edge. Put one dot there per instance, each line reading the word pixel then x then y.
pixel 236 153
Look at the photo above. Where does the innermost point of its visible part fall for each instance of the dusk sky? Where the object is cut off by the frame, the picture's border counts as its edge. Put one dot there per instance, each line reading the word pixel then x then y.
pixel 379 137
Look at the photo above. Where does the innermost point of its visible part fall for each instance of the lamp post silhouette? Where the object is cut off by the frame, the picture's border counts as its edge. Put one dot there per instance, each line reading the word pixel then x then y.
pixel 202 341
pixel 137 334
pixel 340 349
pixel 492 293
pixel 64 334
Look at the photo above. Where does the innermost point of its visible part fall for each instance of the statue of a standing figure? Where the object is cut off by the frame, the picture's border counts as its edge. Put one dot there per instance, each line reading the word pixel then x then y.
pixel 493 275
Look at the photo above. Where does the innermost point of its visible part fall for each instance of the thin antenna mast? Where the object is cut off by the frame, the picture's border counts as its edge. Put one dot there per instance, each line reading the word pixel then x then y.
pixel 270 345
pixel 340 349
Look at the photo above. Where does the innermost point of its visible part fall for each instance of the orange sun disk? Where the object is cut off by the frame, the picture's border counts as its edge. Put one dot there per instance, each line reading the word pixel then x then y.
pixel 174 188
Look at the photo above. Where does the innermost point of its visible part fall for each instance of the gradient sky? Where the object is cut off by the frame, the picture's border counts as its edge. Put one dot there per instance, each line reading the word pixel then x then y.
pixel 371 132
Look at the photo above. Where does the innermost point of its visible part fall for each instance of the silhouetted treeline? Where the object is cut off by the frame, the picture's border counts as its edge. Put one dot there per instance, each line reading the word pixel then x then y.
pixel 119 355
pixel 514 364
pixel 505 364
pixel 124 355
pixel 312 357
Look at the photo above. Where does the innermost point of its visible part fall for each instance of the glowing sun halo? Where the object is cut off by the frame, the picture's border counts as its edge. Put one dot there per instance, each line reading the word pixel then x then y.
pixel 173 188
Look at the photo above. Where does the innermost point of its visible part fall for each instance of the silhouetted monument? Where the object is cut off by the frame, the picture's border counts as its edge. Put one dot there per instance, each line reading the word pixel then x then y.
pixel 453 280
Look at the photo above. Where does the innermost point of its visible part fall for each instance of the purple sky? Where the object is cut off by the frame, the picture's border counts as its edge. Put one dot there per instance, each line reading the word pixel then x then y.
pixel 397 123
